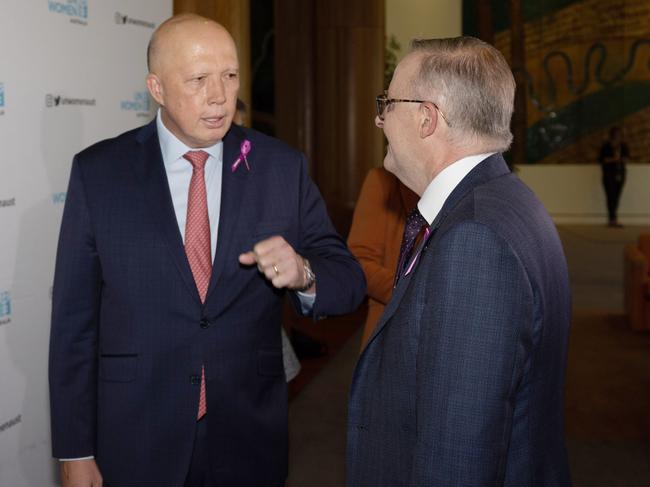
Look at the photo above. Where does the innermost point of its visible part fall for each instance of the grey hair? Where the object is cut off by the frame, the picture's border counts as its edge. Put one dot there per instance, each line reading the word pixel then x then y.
pixel 473 86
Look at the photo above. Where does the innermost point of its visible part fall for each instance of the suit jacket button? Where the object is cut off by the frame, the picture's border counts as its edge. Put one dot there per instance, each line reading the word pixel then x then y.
pixel 195 380
pixel 204 323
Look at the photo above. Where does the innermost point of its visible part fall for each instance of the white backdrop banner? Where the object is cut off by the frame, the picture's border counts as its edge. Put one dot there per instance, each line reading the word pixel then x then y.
pixel 71 73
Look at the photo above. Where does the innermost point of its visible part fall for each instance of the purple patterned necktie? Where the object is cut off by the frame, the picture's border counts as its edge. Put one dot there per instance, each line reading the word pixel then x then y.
pixel 415 222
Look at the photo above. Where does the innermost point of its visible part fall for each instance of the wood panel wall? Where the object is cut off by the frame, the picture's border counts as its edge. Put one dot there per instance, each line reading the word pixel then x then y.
pixel 329 63
pixel 329 68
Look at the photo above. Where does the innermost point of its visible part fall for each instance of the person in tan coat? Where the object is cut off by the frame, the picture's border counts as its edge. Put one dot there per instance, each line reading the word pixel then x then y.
pixel 375 237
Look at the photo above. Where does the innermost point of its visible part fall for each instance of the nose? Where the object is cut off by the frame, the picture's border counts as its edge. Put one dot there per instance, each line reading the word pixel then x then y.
pixel 216 92
pixel 379 122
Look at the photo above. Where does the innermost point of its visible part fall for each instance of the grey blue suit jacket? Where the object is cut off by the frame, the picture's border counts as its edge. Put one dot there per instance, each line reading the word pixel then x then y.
pixel 130 334
pixel 462 382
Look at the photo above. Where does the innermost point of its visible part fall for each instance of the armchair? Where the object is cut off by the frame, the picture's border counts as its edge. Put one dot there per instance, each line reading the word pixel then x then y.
pixel 637 283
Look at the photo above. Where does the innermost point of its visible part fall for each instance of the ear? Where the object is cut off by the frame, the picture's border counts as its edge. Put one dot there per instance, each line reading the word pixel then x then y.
pixel 428 120
pixel 155 88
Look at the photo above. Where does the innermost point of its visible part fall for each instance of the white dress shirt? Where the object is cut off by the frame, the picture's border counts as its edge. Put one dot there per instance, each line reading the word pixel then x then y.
pixel 179 173
pixel 438 190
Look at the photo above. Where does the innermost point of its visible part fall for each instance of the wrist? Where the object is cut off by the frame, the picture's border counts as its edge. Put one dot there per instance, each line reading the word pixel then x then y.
pixel 309 278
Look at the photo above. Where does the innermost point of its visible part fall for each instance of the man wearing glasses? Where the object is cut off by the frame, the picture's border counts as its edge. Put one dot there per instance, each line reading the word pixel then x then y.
pixel 461 383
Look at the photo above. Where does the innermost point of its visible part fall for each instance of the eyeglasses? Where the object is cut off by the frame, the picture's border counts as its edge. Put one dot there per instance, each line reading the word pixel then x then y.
pixel 383 102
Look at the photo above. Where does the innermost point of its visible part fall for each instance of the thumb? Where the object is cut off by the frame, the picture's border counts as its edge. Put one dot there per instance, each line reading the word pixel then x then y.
pixel 247 258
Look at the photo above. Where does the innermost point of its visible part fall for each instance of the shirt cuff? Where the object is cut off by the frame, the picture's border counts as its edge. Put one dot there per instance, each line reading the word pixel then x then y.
pixel 73 459
pixel 306 302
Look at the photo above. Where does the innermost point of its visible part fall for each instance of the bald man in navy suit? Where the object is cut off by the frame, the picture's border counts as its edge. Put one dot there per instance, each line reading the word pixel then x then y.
pixel 178 242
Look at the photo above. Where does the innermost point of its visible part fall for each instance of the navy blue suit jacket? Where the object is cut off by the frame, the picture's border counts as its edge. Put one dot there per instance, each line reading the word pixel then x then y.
pixel 462 382
pixel 129 332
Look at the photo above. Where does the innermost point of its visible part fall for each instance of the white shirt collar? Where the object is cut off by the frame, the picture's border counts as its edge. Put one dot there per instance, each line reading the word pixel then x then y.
pixel 444 183
pixel 173 149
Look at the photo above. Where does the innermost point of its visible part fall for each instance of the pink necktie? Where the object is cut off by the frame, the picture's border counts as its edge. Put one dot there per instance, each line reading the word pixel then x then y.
pixel 197 239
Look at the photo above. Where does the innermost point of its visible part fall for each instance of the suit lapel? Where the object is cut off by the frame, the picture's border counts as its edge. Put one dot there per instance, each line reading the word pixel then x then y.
pixel 233 195
pixel 490 168
pixel 400 290
pixel 150 172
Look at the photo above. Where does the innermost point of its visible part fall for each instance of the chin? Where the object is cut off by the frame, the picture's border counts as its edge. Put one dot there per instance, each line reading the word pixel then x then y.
pixel 221 132
pixel 213 137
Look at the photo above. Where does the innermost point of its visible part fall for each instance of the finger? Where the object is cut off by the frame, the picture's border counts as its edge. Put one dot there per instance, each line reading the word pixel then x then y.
pixel 276 278
pixel 278 273
pixel 290 276
pixel 270 259
pixel 280 280
pixel 266 246
pixel 283 253
pixel 268 272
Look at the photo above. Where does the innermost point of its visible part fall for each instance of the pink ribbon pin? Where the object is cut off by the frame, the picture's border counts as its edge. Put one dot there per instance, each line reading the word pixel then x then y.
pixel 244 149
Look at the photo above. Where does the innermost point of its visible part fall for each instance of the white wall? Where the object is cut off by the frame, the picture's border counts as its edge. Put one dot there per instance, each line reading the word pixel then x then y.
pixel 408 19
pixel 574 193
pixel 89 56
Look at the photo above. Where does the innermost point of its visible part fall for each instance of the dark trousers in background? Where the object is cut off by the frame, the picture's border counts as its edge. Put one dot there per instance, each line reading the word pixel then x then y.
pixel 613 182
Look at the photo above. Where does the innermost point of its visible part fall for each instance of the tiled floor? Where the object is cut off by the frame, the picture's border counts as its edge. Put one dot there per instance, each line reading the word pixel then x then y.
pixel 595 257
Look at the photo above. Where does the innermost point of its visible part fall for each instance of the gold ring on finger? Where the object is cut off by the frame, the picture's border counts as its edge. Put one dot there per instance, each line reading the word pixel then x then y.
pixel 277 271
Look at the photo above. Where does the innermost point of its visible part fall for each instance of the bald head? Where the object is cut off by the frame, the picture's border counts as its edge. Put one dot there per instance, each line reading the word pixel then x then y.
pixel 178 28
pixel 194 77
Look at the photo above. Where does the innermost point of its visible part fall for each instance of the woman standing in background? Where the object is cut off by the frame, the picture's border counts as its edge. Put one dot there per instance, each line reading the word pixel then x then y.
pixel 614 154
pixel 376 235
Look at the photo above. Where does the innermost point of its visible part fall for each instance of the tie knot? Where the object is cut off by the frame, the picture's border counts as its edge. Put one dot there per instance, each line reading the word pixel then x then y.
pixel 415 221
pixel 197 158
